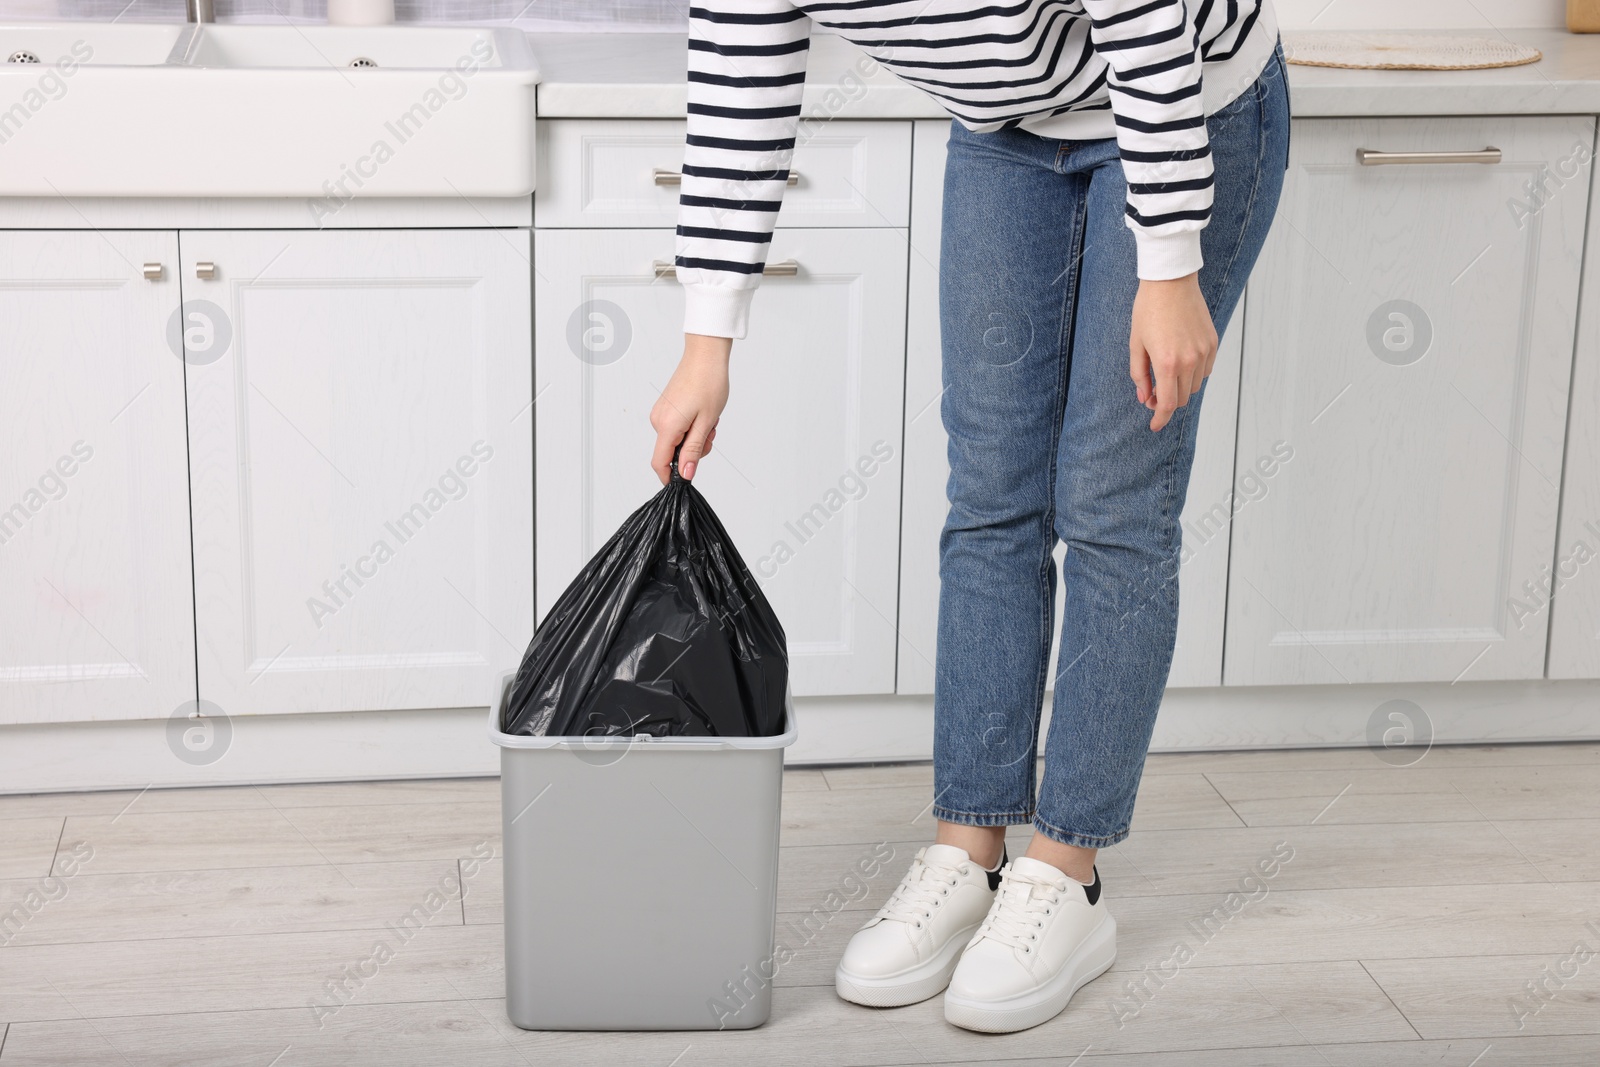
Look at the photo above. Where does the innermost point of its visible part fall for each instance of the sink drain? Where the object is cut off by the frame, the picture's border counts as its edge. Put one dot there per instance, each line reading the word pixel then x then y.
pixel 20 56
pixel 363 61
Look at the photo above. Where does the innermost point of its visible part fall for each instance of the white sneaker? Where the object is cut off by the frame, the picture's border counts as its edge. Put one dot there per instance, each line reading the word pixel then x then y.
pixel 906 952
pixel 1039 943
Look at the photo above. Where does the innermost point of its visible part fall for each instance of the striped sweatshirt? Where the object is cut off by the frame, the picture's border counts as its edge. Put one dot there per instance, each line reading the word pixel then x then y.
pixel 1072 69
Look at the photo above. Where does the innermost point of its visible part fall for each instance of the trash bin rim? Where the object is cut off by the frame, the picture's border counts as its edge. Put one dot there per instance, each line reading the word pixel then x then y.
pixel 593 744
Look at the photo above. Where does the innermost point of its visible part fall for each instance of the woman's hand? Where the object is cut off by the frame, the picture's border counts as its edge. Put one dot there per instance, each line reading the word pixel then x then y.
pixel 1173 345
pixel 688 408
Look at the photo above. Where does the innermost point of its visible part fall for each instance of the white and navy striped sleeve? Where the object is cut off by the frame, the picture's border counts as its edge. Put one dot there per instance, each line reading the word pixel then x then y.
pixel 747 69
pixel 1153 52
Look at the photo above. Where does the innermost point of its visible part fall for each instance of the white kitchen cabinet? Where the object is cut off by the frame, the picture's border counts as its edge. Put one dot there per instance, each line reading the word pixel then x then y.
pixel 1197 659
pixel 923 501
pixel 1572 576
pixel 94 504
pixel 624 173
pixel 1214 496
pixel 1409 336
pixel 805 472
pixel 360 419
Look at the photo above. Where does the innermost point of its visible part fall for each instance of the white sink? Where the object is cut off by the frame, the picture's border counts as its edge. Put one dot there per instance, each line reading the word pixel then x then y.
pixel 118 43
pixel 320 112
pixel 356 47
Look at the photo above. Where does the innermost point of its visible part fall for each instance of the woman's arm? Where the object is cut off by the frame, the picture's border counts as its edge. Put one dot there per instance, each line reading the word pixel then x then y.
pixel 747 69
pixel 1155 84
pixel 1153 54
pixel 687 410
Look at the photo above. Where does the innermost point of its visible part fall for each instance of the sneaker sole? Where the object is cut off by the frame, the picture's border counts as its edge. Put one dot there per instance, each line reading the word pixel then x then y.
pixel 925 980
pixel 1025 1010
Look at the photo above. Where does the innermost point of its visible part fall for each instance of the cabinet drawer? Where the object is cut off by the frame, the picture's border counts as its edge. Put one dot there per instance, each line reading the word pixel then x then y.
pixel 620 173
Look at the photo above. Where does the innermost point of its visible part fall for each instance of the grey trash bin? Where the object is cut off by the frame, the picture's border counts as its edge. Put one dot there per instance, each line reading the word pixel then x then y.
pixel 640 878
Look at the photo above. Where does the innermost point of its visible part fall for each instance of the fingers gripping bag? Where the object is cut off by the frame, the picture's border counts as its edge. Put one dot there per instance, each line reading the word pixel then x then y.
pixel 664 632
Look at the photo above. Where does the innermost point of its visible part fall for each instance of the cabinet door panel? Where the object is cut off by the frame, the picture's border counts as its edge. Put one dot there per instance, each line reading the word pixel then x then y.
pixel 1206 519
pixel 927 466
pixel 1568 595
pixel 816 401
pixel 1409 336
pixel 362 457
pixel 94 502
pixel 1197 659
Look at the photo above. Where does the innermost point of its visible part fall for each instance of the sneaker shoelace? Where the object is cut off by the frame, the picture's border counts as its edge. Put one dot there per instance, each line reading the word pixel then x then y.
pixel 922 890
pixel 1021 906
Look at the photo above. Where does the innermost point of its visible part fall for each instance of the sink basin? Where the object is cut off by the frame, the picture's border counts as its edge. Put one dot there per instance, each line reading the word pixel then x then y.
pixel 357 47
pixel 325 113
pixel 115 43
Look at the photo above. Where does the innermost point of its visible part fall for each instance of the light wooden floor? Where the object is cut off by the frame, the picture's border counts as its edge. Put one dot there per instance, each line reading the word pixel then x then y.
pixel 1419 901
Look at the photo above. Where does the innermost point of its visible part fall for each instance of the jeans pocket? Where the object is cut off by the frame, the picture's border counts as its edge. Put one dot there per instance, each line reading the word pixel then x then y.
pixel 1233 107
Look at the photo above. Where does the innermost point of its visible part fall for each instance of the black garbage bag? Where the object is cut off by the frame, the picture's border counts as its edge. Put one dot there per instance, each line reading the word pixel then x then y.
pixel 664 632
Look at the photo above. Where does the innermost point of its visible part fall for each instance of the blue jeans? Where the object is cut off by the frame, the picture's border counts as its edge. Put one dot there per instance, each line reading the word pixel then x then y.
pixel 1047 440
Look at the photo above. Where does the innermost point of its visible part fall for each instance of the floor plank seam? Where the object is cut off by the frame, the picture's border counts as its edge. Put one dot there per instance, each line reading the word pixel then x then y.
pixel 267 867
pixel 419 803
pixel 60 836
pixel 362 926
pixel 429 802
pixel 330 865
pixel 1261 755
pixel 1329 827
pixel 474 1002
pixel 374 1005
pixel 1390 999
pixel 793 911
pixel 827 982
pixel 230 936
pixel 1574 882
pixel 1224 799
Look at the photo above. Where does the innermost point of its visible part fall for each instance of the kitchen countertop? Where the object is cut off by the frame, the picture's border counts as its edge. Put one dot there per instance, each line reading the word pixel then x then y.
pixel 640 75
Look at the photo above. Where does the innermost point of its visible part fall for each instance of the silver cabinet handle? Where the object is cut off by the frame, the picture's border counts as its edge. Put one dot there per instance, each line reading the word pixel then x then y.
pixel 154 271
pixel 205 270
pixel 787 268
pixel 1368 157
pixel 662 176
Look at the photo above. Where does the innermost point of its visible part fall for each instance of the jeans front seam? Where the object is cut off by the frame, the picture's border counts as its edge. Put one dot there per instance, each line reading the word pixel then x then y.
pixel 1170 469
pixel 1069 318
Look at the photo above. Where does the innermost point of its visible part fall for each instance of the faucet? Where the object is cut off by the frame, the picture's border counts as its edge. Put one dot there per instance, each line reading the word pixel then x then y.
pixel 200 11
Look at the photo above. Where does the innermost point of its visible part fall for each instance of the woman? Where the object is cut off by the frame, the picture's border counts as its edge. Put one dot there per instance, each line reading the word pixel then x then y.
pixel 1113 169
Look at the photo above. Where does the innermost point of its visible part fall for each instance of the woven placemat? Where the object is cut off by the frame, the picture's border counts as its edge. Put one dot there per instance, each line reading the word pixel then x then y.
pixel 1404 51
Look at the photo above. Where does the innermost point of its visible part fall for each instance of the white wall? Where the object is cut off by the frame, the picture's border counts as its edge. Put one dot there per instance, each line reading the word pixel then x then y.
pixel 587 15
pixel 1487 15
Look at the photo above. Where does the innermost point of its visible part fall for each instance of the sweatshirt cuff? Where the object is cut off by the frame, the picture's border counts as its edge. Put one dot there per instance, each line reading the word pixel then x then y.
pixel 1163 256
pixel 716 310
